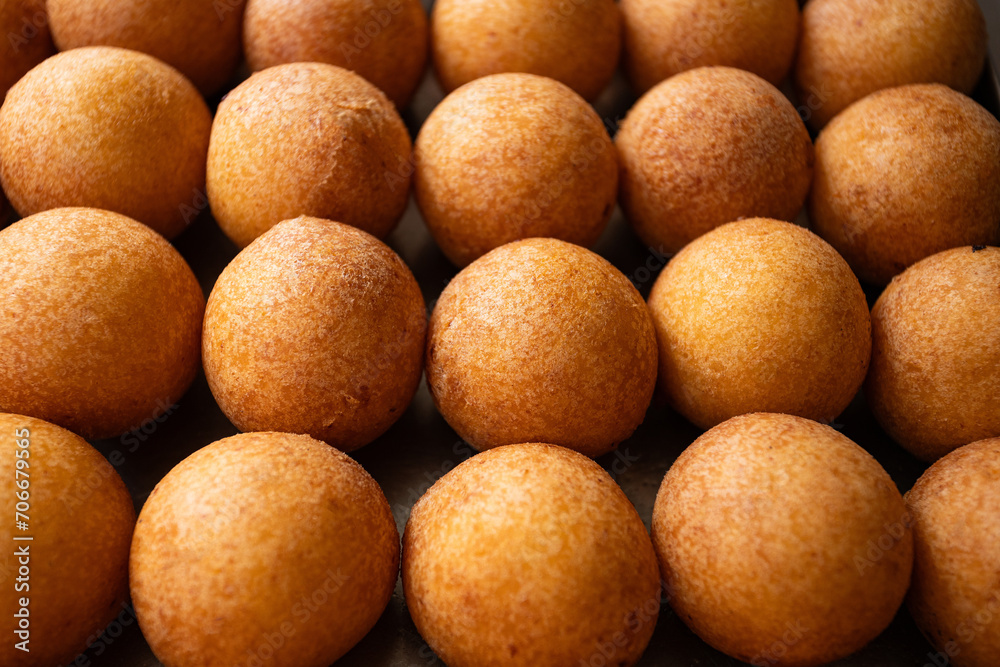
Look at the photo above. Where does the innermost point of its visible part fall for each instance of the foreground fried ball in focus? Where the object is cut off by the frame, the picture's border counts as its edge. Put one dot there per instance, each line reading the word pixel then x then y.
pixel 106 128
pixel 782 542
pixel 100 319
pixel 74 570
pixel 707 147
pixel 563 182
pixel 27 41
pixel 541 340
pixel 760 316
pixel 577 42
pixel 934 383
pixel 317 328
pixel 385 41
pixel 273 534
pixel 664 38
pixel 530 554
pixel 307 139
pixel 906 173
pixel 851 48
pixel 199 38
pixel 954 598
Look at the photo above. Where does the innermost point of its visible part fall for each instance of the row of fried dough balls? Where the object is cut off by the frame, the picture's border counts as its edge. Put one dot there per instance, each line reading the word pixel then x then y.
pixel 776 539
pixel 897 177
pixel 537 341
pixel 768 524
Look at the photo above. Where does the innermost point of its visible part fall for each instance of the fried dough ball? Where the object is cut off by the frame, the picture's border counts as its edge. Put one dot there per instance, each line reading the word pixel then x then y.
pixel 264 548
pixel 199 38
pixel 851 48
pixel 542 340
pixel 906 173
pixel 782 542
pixel 666 37
pixel 934 383
pixel 385 41
pixel 707 147
pixel 317 328
pixel 27 40
pixel 577 42
pixel 106 128
pixel 955 596
pixel 307 139
pixel 760 316
pixel 100 320
pixel 73 573
pixel 531 555
pixel 514 156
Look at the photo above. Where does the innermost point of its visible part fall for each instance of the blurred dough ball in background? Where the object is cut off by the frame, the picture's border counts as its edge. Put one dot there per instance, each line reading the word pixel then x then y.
pixel 905 173
pixel 542 341
pixel 258 535
pixel 317 328
pixel 763 528
pixel 934 383
pixel 106 128
pixel 851 48
pixel 760 316
pixel 100 320
pixel 666 37
pixel 530 555
pixel 307 139
pixel 707 147
pixel 201 38
pixel 955 596
pixel 513 156
pixel 26 40
pixel 80 519
pixel 577 42
pixel 385 41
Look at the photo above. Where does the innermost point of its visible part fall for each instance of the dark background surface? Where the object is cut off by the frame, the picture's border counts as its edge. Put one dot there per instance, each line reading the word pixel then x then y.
pixel 421 447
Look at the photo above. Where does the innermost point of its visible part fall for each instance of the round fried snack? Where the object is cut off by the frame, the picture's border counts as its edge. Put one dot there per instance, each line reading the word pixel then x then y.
pixel 27 41
pixel 760 316
pixel 852 48
pixel 199 38
pixel 576 42
pixel 307 139
pixel 288 542
pixel 106 128
pixel 707 147
pixel 905 173
pixel 530 555
pixel 317 328
pixel 781 541
pixel 475 196
pixel 955 595
pixel 934 383
pixel 70 579
pixel 385 41
pixel 541 340
pixel 100 318
pixel 666 37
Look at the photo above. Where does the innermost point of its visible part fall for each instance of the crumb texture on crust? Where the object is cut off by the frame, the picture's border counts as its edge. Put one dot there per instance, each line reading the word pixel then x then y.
pixel 300 519
pixel 934 383
pixel 542 340
pixel 514 156
pixel 760 315
pixel 100 319
pixel 763 527
pixel 531 555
